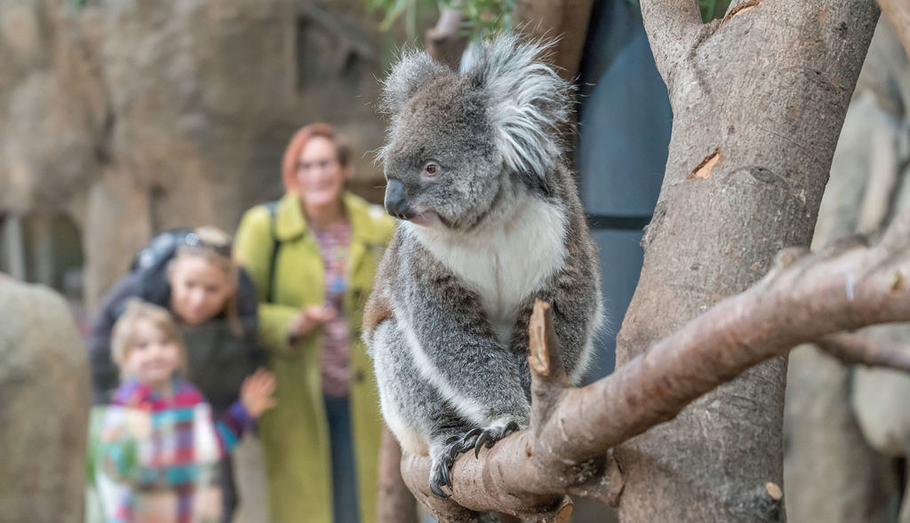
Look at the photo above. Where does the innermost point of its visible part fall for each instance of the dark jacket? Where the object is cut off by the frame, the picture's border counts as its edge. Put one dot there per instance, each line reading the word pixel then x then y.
pixel 218 360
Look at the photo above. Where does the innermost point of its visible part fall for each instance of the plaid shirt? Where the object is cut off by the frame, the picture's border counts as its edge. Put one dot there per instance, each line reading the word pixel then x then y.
pixel 160 454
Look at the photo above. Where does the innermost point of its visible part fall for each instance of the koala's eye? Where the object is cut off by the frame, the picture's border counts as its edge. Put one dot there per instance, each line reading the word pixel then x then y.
pixel 431 169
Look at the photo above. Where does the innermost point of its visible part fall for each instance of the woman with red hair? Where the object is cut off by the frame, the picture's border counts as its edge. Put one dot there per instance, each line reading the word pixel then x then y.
pixel 312 255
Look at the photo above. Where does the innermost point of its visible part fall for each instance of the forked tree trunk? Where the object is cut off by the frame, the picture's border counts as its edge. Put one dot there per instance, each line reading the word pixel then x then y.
pixel 758 102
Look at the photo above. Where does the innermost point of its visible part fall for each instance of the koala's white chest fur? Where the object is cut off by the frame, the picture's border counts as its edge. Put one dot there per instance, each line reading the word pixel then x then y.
pixel 506 261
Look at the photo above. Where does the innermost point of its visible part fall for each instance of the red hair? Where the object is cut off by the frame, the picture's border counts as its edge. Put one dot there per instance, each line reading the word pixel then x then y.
pixel 299 141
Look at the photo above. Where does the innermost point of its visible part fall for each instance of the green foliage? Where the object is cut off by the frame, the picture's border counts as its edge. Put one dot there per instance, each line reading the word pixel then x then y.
pixel 486 17
pixel 482 17
pixel 711 9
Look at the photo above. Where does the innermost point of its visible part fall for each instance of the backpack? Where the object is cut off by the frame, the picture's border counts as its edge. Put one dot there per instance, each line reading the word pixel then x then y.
pixel 159 251
pixel 162 248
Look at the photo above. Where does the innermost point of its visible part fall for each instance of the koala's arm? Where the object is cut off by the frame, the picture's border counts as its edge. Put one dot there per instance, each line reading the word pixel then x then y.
pixel 454 347
pixel 575 300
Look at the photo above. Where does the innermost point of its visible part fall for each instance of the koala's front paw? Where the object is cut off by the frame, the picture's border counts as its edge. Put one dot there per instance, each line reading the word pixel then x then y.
pixel 441 471
pixel 487 437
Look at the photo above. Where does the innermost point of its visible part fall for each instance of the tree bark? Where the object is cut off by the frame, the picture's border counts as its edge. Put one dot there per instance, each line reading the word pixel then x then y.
pixel 758 102
pixel 566 20
pixel 395 503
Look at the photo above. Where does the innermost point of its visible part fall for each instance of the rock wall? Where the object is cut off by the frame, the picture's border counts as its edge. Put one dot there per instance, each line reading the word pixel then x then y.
pixel 843 423
pixel 133 116
pixel 44 383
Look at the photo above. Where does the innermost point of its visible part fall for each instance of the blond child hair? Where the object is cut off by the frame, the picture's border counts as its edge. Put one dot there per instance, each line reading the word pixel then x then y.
pixel 123 337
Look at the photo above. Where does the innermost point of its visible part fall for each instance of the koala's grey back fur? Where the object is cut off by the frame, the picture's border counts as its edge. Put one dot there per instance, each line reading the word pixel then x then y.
pixel 501 226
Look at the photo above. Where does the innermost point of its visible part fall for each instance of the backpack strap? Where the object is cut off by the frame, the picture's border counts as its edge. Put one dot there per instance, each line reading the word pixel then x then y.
pixel 276 245
pixel 159 251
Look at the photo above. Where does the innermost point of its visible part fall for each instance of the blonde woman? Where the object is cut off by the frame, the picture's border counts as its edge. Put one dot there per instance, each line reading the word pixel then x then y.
pixel 192 275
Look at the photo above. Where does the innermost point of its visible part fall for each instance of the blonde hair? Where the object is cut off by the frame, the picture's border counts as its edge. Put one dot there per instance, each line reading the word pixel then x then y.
pixel 123 337
pixel 214 245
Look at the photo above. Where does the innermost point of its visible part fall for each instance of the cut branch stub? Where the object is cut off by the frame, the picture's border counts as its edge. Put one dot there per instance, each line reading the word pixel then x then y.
pixel 548 376
pixel 545 355
pixel 703 170
pixel 539 358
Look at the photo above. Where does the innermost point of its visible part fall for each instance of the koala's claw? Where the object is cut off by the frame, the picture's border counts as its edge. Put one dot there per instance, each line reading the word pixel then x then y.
pixel 489 437
pixel 441 475
pixel 469 439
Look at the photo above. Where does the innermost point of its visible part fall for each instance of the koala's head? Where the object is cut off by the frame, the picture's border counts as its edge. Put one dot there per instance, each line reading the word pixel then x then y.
pixel 461 145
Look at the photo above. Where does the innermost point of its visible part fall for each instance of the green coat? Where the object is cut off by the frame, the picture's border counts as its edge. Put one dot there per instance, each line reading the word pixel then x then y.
pixel 294 434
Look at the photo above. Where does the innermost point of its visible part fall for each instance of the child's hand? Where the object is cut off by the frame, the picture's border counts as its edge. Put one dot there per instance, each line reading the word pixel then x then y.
pixel 256 392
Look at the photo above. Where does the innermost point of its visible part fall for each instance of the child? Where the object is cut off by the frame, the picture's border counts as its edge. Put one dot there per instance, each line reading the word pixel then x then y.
pixel 159 444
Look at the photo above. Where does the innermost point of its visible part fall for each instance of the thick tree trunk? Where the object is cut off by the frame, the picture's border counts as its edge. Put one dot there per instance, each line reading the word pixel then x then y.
pixel 758 102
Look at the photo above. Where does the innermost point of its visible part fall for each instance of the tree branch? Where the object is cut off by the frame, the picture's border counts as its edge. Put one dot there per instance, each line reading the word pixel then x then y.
pixel 673 28
pixel 445 41
pixel 394 502
pixel 856 349
pixel 804 298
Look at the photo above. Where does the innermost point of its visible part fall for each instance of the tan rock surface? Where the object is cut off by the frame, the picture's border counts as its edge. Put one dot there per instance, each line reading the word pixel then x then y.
pixel 134 116
pixel 44 383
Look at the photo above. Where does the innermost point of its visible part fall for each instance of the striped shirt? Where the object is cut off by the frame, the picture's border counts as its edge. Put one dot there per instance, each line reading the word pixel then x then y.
pixel 335 242
pixel 160 453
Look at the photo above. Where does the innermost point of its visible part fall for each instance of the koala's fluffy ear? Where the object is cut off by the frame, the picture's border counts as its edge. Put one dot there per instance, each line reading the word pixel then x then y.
pixel 414 70
pixel 528 101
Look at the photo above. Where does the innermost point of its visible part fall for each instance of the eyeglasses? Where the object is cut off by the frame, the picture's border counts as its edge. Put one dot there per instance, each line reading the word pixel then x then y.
pixel 321 165
pixel 193 240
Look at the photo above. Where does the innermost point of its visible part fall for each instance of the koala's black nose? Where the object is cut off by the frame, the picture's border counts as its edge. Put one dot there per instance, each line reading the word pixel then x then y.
pixel 395 202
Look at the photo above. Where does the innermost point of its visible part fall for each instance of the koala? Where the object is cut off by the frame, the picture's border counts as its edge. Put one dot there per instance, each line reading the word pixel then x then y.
pixel 490 220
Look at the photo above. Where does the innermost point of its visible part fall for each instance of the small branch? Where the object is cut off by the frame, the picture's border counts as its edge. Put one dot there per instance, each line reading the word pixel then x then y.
pixel 856 349
pixel 673 27
pixel 395 503
pixel 548 375
pixel 445 42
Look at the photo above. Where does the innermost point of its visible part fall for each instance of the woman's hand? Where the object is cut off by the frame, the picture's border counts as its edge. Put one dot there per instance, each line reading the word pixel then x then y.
pixel 309 318
pixel 256 392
